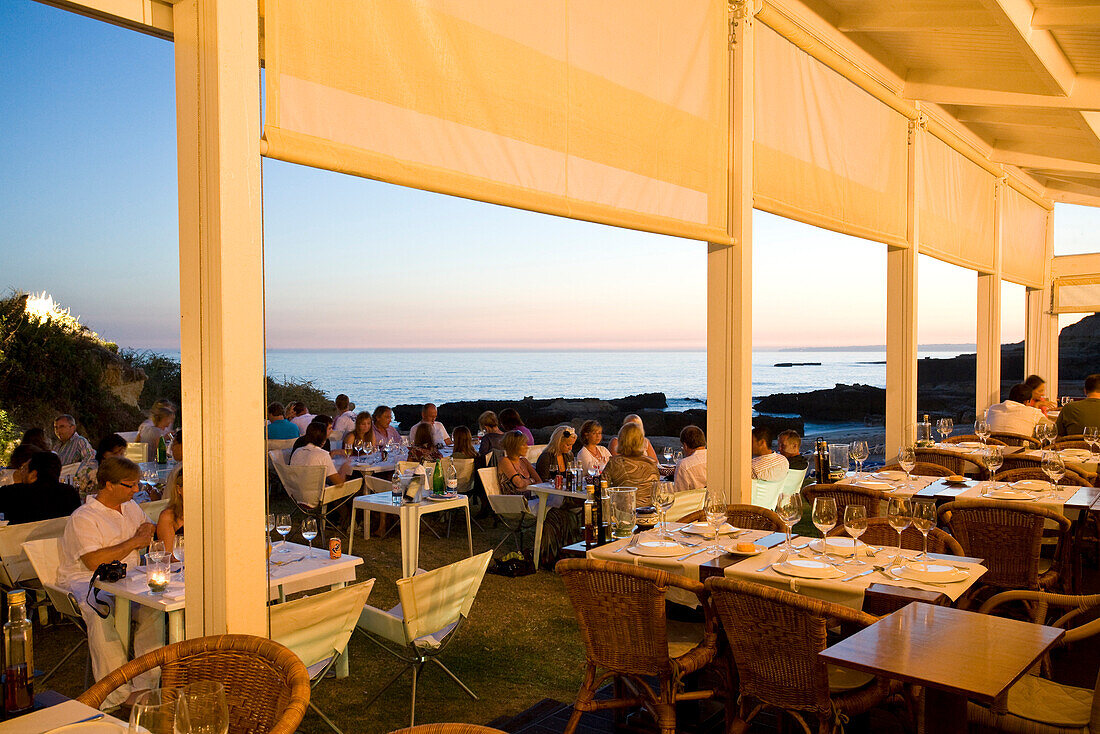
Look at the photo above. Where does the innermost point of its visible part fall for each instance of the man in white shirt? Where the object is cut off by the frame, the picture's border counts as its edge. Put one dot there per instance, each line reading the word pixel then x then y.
pixel 345 416
pixel 314 454
pixel 110 527
pixel 439 434
pixel 1018 414
pixel 766 464
pixel 302 417
pixel 691 471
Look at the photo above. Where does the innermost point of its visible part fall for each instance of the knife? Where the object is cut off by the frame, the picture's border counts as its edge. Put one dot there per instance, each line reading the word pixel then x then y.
pixel 693 553
pixel 856 576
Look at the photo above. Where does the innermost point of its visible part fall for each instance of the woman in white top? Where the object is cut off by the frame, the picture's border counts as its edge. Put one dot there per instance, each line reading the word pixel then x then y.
pixel 592 454
pixel 614 445
pixel 157 427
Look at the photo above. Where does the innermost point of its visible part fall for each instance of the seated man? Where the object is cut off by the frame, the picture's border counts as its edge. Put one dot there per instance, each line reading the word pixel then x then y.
pixel 766 464
pixel 302 417
pixel 345 416
pixel 428 416
pixel 1017 415
pixel 691 471
pixel 20 459
pixel 72 448
pixel 789 444
pixel 278 426
pixel 314 453
pixel 110 527
pixel 1078 414
pixel 41 495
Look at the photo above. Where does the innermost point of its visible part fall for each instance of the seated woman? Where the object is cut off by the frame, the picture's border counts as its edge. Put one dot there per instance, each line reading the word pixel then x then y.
pixel 361 436
pixel 491 440
pixel 613 447
pixel 423 447
pixel 558 454
pixel 157 427
pixel 561 526
pixel 170 522
pixel 463 443
pixel 41 495
pixel 592 455
pixel 313 453
pixel 631 467
pixel 303 440
pixel 384 433
pixel 510 421
pixel 1039 393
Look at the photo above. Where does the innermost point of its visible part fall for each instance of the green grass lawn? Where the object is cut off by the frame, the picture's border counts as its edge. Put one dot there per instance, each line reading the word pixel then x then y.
pixel 520 645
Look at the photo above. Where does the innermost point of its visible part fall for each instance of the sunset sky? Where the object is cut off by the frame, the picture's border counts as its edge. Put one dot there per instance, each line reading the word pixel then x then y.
pixel 87 166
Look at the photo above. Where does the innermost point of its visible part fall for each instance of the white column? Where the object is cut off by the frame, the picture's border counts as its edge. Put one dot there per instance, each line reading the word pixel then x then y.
pixel 729 294
pixel 222 310
pixel 987 387
pixel 1041 337
pixel 901 315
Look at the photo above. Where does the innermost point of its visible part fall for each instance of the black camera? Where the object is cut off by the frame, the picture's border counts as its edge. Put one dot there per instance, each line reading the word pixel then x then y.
pixel 113 571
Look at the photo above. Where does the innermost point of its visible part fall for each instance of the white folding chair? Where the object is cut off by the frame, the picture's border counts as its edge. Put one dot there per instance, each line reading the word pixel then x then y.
pixel 14 565
pixel 765 494
pixel 138 452
pixel 68 472
pixel 464 469
pixel 792 482
pixel 317 629
pixel 127 436
pixel 516 512
pixel 44 556
pixel 432 608
pixel 153 509
pixel 534 452
pixel 305 485
pixel 274 444
pixel 687 502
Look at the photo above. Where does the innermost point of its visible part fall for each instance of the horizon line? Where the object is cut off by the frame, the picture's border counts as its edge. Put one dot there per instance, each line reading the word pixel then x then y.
pixel 761 348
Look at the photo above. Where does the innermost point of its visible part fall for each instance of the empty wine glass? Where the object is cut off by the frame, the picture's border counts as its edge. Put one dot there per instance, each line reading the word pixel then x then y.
pixel 1054 467
pixel 1045 432
pixel 1092 438
pixel 663 497
pixel 715 511
pixel 994 459
pixel 899 514
pixel 202 709
pixel 924 519
pixel 789 508
pixel 945 426
pixel 154 712
pixel 981 430
pixel 309 531
pixel 282 527
pixel 177 550
pixel 855 523
pixel 156 552
pixel 859 452
pixel 824 516
pixel 907 460
pixel 666 452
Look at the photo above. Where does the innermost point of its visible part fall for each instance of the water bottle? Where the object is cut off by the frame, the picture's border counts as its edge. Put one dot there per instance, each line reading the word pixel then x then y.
pixel 18 657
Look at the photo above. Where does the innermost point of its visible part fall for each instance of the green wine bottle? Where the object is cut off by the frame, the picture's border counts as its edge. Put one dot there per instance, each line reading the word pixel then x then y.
pixel 437 478
pixel 162 451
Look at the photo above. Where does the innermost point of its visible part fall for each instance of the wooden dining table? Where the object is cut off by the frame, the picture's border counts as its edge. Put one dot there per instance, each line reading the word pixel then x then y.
pixel 956 655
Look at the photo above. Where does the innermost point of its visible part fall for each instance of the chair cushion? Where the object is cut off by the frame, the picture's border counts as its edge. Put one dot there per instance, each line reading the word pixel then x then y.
pixel 1039 699
pixel 434 641
pixel 683 636
pixel 846 679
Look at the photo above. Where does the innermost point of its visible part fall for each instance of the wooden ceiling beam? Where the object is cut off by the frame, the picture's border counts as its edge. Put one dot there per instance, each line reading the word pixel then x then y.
pixel 1066 18
pixel 1043 163
pixel 151 17
pixel 1085 95
pixel 889 21
pixel 1042 51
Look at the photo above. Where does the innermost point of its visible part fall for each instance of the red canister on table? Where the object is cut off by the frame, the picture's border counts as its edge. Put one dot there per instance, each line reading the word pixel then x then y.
pixel 333 547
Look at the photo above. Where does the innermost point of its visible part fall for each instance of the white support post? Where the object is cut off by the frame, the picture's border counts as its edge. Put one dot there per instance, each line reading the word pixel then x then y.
pixel 729 292
pixel 1041 338
pixel 222 313
pixel 901 315
pixel 987 388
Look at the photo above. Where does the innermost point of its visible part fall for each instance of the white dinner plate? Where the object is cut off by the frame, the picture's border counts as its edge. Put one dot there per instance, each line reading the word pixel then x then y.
pixel 92 727
pixel 1076 454
pixel 842 545
pixel 890 475
pixel 806 568
pixel 1007 493
pixel 655 548
pixel 703 528
pixel 1032 485
pixel 967 445
pixel 875 484
pixel 442 497
pixel 938 573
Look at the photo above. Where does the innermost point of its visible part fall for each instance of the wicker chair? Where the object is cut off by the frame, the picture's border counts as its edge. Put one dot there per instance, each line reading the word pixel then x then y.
pixel 1069 442
pixel 1020 462
pixel 1007 536
pixel 775 637
pixel 1026 707
pixel 922 469
pixel 847 494
pixel 266 685
pixel 1015 439
pixel 1071 479
pixel 447 729
pixel 621 612
pixel 1070 438
pixel 971 437
pixel 879 532
pixel 954 462
pixel 747 517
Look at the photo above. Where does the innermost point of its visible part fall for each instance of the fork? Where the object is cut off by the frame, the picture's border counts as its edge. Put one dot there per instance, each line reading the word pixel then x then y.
pixel 782 557
pixel 633 542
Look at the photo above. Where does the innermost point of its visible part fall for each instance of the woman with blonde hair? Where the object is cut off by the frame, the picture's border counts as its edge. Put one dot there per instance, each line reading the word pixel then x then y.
pixel 170 521
pixel 592 455
pixel 561 526
pixel 631 467
pixel 159 426
pixel 362 433
pixel 558 454
pixel 613 447
pixel 490 441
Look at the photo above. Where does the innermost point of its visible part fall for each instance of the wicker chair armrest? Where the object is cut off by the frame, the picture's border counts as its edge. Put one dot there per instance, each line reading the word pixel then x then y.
pixel 845 615
pixel 1076 604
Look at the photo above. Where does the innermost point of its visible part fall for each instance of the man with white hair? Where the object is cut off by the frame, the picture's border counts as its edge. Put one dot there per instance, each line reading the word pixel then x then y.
pixel 428 416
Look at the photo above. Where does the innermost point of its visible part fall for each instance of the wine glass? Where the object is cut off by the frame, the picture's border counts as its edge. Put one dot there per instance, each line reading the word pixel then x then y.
pixel 823 516
pixel 202 709
pixel 666 452
pixel 1092 438
pixel 859 452
pixel 981 430
pixel 270 523
pixel 309 532
pixel 789 509
pixel 1054 467
pixel 154 712
pixel 924 519
pixel 994 460
pixel 663 498
pixel 855 523
pixel 907 460
pixel 945 426
pixel 156 552
pixel 177 550
pixel 899 514
pixel 1045 432
pixel 282 527
pixel 715 510
pixel 1066 400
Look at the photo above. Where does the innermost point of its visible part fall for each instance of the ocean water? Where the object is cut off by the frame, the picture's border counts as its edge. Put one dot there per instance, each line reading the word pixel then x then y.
pixel 393 377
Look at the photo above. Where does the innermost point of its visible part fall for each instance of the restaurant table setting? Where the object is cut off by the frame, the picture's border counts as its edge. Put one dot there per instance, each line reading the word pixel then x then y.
pixel 1065 500
pixel 1082 461
pixel 890 481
